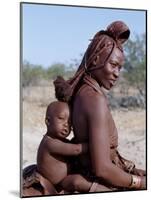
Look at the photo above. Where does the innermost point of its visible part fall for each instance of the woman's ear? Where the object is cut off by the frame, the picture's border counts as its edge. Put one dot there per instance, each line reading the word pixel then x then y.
pixel 47 122
pixel 95 61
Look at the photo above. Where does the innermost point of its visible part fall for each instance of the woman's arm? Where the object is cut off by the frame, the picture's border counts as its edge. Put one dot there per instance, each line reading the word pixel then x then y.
pixel 99 122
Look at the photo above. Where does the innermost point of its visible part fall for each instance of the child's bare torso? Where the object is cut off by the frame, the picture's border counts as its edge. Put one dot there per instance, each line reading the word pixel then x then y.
pixel 51 166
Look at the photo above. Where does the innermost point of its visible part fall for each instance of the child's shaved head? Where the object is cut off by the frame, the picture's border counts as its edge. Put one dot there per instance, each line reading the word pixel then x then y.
pixel 55 107
pixel 58 119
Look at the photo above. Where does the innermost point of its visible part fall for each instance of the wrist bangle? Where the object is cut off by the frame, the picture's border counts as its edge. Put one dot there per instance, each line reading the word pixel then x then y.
pixel 135 182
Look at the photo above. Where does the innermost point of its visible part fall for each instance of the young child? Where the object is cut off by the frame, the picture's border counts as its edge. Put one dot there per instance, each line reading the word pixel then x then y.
pixel 54 151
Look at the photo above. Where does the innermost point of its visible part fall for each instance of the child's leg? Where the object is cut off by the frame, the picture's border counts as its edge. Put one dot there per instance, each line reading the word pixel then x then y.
pixel 76 182
pixel 48 187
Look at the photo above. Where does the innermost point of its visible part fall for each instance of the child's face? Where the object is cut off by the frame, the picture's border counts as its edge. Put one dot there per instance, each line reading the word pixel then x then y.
pixel 59 122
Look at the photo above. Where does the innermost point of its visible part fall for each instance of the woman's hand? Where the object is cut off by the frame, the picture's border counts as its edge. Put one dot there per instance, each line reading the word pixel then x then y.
pixel 84 148
pixel 139 172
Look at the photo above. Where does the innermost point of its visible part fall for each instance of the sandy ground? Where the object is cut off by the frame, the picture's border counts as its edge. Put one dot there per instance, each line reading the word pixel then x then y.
pixel 130 124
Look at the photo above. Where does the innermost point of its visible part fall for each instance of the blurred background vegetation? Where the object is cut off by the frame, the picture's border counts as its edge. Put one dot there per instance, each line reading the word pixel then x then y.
pixel 131 89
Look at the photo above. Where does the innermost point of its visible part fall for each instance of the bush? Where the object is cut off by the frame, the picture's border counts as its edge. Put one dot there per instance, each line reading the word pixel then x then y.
pixel 32 74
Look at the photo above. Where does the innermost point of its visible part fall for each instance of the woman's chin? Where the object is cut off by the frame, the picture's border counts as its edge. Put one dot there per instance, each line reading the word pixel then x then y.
pixel 107 86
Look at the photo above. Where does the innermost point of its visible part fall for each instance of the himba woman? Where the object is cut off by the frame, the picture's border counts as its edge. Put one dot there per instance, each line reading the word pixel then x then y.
pixel 91 116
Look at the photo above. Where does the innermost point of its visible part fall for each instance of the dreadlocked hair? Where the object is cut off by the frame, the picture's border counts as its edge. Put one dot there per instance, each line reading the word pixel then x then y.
pixel 64 88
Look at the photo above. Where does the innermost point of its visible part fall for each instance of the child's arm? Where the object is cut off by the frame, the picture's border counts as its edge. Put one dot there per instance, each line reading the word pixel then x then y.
pixel 67 149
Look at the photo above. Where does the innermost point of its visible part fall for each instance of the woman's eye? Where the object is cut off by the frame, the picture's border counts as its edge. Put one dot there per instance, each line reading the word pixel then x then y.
pixel 114 64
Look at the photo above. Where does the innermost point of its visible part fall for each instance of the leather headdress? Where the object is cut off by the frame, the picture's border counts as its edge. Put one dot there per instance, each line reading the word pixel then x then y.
pixel 103 43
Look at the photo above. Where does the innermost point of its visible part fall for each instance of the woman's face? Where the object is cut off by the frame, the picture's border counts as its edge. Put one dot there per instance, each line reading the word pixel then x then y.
pixel 108 75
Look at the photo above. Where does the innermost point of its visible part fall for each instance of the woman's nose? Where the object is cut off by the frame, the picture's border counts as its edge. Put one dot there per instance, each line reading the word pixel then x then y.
pixel 116 72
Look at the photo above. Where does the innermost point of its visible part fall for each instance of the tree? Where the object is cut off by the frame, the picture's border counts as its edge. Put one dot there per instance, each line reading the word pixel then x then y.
pixel 135 65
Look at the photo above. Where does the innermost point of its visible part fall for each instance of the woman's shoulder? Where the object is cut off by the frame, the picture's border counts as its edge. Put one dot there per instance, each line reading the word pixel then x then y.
pixel 90 98
pixel 89 93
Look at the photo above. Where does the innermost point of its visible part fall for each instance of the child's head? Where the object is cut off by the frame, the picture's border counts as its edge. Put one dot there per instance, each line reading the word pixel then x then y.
pixel 58 119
